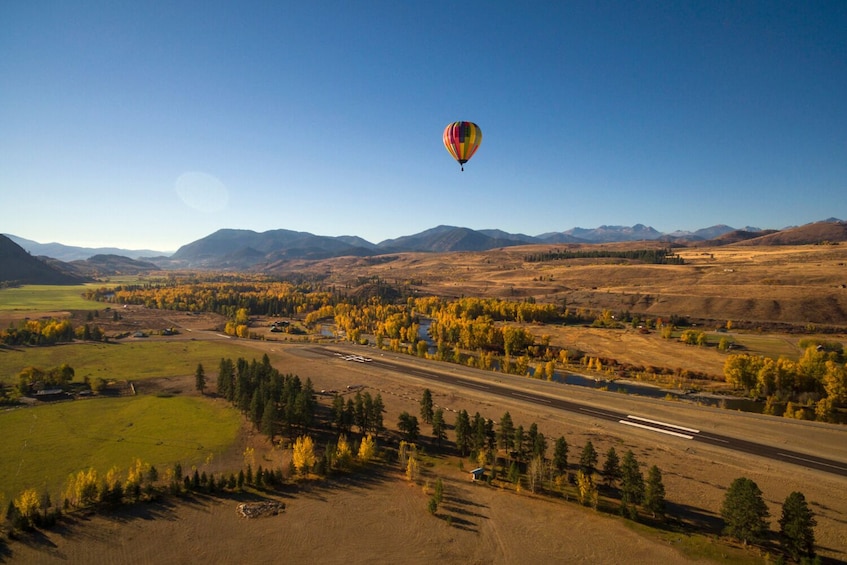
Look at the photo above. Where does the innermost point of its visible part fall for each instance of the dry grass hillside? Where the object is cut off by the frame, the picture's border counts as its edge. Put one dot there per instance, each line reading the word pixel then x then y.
pixel 750 285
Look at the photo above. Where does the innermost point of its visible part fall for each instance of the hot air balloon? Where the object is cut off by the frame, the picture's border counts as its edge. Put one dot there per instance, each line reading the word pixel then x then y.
pixel 462 139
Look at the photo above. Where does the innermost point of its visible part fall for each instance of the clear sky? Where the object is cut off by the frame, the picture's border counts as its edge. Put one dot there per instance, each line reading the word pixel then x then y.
pixel 153 124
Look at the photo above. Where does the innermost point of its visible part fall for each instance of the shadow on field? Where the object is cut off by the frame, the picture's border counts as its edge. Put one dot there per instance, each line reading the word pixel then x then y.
pixel 364 478
pixel 460 511
pixel 34 539
pixel 693 518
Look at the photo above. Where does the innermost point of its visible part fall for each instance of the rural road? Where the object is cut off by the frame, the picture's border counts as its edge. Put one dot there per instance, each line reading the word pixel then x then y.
pixel 551 402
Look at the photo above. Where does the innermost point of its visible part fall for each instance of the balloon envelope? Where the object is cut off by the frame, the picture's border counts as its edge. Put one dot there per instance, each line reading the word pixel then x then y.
pixel 462 139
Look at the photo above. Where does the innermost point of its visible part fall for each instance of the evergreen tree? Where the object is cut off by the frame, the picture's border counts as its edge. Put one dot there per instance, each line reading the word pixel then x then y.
pixel 426 406
pixel 797 527
pixel 462 427
pixel 744 511
pixel 349 415
pixel 560 455
pixel 654 493
pixel 519 443
pixel 506 432
pixel 375 417
pixel 256 408
pixel 479 431
pixel 268 426
pixel 359 416
pixel 338 413
pixel 539 445
pixel 588 459
pixel 200 379
pixel 611 468
pixel 438 427
pixel 632 485
pixel 408 424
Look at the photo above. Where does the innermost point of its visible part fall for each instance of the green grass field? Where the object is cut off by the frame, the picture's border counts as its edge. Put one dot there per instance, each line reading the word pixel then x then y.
pixel 770 345
pixel 41 446
pixel 45 298
pixel 124 360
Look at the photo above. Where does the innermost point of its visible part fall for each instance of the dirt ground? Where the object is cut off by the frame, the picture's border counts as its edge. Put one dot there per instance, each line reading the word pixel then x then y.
pixel 379 516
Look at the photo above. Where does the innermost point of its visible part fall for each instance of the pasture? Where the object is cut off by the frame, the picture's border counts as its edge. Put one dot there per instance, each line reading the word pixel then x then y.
pixel 127 360
pixel 43 445
pixel 47 298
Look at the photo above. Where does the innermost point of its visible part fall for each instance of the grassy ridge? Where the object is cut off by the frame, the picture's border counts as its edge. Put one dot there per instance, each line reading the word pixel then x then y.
pixel 41 446
pixel 125 360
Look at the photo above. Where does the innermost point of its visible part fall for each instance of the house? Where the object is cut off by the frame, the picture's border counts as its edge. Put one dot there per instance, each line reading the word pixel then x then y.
pixel 477 474
pixel 48 394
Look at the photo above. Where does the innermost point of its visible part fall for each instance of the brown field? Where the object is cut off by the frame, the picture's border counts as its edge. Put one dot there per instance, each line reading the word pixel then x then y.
pixel 755 286
pixel 379 516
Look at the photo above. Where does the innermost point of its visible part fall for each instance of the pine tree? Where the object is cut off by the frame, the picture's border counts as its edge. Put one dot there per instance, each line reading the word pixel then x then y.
pixel 375 416
pixel 560 455
pixel 462 428
pixel 438 427
pixel 744 511
pixel 200 378
pixel 588 459
pixel 506 432
pixel 408 424
pixel 797 527
pixel 426 406
pixel 269 417
pixel 611 467
pixel 632 485
pixel 654 493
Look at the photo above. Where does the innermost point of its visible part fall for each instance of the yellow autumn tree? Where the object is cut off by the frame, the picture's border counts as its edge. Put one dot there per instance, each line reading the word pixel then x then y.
pixel 81 489
pixel 367 449
pixel 412 468
pixel 135 478
pixel 27 504
pixel 588 493
pixel 343 452
pixel 304 454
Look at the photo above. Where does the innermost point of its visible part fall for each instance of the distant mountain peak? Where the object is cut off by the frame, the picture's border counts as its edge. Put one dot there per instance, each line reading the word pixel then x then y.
pixel 237 249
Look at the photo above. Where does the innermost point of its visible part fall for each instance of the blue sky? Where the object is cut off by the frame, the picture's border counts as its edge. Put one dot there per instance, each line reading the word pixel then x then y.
pixel 153 124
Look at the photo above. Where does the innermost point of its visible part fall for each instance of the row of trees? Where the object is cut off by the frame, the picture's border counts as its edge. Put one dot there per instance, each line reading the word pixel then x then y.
pixel 49 332
pixel 745 516
pixel 221 294
pixel 142 481
pixel 744 511
pixel 521 454
pixel 654 256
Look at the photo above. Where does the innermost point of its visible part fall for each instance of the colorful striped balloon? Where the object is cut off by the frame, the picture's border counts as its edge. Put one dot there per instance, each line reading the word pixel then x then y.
pixel 462 139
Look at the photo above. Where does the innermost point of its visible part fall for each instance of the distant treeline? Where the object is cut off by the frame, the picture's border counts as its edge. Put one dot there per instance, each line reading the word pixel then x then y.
pixel 654 256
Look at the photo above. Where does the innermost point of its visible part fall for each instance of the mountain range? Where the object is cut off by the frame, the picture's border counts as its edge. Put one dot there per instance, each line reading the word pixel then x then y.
pixel 246 249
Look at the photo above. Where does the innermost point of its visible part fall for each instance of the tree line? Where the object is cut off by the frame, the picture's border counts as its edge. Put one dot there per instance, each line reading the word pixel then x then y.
pixel 49 332
pixel 812 387
pixel 654 256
